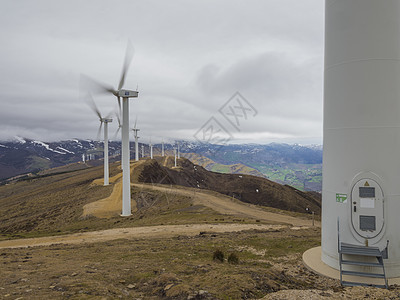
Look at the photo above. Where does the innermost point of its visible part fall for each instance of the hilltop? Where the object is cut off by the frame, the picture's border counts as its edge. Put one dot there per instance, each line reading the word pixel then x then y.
pixel 165 250
pixel 246 188
pixel 56 197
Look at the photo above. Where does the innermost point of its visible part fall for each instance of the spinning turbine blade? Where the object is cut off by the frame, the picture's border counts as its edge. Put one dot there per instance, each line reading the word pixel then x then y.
pixel 93 106
pixel 119 104
pixel 119 120
pixel 134 127
pixel 99 131
pixel 96 86
pixel 127 62
pixel 119 125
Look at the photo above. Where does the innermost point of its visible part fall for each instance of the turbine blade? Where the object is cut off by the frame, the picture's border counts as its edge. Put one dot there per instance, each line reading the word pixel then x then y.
pixel 135 123
pixel 119 120
pixel 108 116
pixel 127 62
pixel 116 133
pixel 99 131
pixel 119 105
pixel 96 86
pixel 93 105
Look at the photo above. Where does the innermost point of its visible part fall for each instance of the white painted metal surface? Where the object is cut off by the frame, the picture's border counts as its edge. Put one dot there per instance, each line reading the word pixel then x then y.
pixel 175 157
pixel 106 172
pixel 362 127
pixel 126 176
pixel 135 132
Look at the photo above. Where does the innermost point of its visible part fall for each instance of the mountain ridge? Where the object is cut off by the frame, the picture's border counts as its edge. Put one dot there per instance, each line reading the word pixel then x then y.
pixel 296 165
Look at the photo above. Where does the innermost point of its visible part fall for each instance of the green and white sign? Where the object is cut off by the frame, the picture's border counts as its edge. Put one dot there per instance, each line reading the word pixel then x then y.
pixel 341 198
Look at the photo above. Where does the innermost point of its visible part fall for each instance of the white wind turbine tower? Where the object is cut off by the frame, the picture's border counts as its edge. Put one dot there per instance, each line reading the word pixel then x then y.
pixel 116 133
pixel 135 132
pixel 105 120
pixel 151 150
pixel 175 155
pixel 125 94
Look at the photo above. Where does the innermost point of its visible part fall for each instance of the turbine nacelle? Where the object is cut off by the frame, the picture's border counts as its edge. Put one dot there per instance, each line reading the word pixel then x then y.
pixel 127 94
pixel 106 120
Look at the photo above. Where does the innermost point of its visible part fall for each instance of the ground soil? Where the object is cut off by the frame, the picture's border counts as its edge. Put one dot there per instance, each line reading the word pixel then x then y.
pixel 165 250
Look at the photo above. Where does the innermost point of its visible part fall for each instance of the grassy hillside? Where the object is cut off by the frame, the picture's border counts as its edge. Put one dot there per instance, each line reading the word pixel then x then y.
pixel 252 264
pixel 211 165
pixel 305 177
pixel 247 188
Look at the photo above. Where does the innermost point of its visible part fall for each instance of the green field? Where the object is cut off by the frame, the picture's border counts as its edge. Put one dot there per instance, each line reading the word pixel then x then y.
pixel 301 176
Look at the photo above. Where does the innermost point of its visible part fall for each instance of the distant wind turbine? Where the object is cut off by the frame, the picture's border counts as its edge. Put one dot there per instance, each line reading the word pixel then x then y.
pixel 116 133
pixel 105 120
pixel 175 155
pixel 151 150
pixel 135 132
pixel 125 94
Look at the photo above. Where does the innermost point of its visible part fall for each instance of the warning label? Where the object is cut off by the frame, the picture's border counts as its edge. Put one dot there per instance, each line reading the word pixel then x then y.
pixel 341 198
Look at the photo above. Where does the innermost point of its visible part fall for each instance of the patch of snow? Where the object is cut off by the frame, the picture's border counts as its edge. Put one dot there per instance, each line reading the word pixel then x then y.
pixel 3 146
pixel 20 140
pixel 47 147
pixel 61 148
pixel 240 176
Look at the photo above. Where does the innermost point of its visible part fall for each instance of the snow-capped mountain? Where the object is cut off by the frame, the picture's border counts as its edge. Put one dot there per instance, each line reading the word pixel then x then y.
pixel 23 155
pixel 296 165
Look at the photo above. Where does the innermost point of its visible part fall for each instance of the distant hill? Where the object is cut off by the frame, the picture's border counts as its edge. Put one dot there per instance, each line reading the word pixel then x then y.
pixel 24 155
pixel 211 165
pixel 247 188
pixel 295 165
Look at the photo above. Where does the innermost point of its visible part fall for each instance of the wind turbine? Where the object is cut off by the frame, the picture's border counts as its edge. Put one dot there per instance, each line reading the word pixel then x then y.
pixel 105 120
pixel 116 133
pixel 135 132
pixel 151 150
pixel 125 95
pixel 175 155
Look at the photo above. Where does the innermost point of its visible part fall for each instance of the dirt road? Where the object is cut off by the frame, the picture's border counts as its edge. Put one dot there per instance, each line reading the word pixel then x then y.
pixel 111 206
pixel 219 203
pixel 226 205
pixel 163 231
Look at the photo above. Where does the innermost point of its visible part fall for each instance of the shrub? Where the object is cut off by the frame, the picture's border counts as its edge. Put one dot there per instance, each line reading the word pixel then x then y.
pixel 218 255
pixel 233 259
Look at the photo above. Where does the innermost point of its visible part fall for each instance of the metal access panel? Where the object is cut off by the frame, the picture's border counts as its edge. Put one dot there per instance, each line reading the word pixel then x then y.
pixel 367 223
pixel 367 209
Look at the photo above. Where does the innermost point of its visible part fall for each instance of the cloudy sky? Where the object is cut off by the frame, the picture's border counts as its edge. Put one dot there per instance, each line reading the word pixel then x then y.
pixel 190 60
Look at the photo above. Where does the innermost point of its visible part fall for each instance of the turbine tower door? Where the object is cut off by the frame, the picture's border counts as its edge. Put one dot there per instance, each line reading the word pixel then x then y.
pixel 367 215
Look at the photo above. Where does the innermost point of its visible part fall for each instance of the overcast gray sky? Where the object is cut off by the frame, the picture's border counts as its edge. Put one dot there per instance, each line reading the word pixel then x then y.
pixel 190 58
